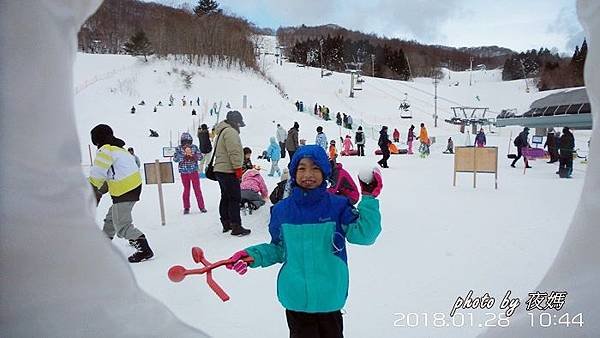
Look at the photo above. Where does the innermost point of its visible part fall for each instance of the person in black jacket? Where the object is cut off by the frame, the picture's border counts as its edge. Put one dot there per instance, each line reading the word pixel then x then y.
pixel 566 146
pixel 551 144
pixel 205 147
pixel 521 142
pixel 383 143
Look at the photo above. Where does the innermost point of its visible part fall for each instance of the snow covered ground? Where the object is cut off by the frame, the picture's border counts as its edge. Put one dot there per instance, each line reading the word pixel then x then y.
pixel 438 241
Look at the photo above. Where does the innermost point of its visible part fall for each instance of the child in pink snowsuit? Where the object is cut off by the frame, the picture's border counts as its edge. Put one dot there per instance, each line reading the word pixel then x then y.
pixel 343 184
pixel 253 188
pixel 188 155
pixel 348 146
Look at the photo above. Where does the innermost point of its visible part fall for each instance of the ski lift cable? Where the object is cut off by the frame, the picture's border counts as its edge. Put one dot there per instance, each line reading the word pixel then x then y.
pixel 426 104
pixel 422 91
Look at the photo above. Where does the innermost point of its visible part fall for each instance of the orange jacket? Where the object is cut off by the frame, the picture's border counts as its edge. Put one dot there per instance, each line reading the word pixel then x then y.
pixel 332 152
pixel 423 137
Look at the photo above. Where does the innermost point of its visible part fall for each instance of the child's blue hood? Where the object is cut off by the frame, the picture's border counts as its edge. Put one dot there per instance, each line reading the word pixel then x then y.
pixel 315 153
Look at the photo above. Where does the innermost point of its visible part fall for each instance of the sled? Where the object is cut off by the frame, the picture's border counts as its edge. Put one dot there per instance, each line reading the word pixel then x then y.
pixel 177 273
pixel 352 152
pixel 394 150
pixel 533 153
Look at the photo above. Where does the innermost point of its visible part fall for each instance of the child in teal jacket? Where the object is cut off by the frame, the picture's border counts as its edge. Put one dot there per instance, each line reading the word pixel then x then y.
pixel 309 230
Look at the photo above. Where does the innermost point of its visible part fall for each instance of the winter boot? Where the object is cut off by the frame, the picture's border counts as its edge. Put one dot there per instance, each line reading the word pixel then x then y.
pixel 143 250
pixel 186 211
pixel 226 225
pixel 239 230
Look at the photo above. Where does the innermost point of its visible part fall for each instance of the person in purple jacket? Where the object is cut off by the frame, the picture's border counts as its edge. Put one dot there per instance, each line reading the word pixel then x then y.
pixel 480 140
pixel 188 155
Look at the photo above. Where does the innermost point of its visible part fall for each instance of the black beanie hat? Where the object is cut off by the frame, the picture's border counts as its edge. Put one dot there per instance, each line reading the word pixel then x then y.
pixel 102 134
pixel 296 125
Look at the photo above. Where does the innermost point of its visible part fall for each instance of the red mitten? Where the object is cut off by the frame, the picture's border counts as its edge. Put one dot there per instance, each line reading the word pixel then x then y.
pixel 238 173
pixel 371 182
pixel 239 266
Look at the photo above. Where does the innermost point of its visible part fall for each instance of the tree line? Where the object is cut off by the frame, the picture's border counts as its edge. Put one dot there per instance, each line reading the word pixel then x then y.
pixel 203 34
pixel 552 70
pixel 393 58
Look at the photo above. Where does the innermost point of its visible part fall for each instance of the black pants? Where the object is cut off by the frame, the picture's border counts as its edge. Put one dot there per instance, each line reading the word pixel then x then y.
pixel 553 154
pixel 519 155
pixel 386 155
pixel 282 146
pixel 565 164
pixel 229 207
pixel 291 154
pixel 361 149
pixel 315 325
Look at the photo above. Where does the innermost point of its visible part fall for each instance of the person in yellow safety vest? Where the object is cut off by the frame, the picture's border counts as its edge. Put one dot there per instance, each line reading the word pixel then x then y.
pixel 114 170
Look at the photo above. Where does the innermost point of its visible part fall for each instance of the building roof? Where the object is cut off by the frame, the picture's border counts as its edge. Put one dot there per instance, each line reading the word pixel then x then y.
pixel 567 97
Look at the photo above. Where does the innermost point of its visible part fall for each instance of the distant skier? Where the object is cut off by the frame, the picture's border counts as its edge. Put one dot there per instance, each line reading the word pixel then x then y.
pixel 349 122
pixel 410 139
pixel 449 146
pixel 153 133
pixel 552 146
pixel 348 146
pixel 566 146
pixel 137 159
pixel 425 141
pixel 359 138
pixel 321 138
pixel 338 119
pixel 281 138
pixel 521 141
pixel 132 109
pixel 274 153
pixel 193 111
pixel 383 143
pixel 480 140
pixel 292 143
pixel 396 135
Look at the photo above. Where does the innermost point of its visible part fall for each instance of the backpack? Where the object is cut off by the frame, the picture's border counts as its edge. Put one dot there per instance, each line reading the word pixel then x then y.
pixel 277 193
pixel 518 141
pixel 359 137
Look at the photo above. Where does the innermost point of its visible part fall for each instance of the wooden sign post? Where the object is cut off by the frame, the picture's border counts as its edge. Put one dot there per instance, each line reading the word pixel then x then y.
pixel 159 173
pixel 476 160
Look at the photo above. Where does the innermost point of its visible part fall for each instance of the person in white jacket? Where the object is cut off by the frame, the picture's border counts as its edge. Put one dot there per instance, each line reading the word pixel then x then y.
pixel 281 138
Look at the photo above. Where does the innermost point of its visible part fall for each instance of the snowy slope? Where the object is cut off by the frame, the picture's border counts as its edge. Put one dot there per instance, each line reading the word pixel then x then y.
pixel 438 241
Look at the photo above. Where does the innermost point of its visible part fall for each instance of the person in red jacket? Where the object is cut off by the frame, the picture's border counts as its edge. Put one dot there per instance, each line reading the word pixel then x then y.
pixel 396 135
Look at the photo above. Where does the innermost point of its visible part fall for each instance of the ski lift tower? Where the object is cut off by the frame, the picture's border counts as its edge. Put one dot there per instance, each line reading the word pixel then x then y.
pixel 405 108
pixel 354 68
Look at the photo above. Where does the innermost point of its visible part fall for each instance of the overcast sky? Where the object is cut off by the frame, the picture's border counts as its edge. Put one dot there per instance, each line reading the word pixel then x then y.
pixel 515 24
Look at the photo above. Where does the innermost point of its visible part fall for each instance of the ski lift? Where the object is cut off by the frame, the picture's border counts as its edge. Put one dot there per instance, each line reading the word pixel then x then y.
pixel 405 108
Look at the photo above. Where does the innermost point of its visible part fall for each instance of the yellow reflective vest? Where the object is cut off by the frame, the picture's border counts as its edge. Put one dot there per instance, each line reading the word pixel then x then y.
pixel 117 167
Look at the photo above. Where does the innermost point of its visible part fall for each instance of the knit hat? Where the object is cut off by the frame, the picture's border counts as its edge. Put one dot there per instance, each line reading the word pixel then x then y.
pixel 186 138
pixel 296 125
pixel 319 129
pixel 235 116
pixel 315 153
pixel 102 134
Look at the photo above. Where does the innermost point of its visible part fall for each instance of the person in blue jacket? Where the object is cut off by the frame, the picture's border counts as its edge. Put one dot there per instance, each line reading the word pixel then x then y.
pixel 274 153
pixel 309 230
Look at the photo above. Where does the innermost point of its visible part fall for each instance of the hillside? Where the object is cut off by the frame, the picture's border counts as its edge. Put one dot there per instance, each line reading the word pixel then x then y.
pixel 438 241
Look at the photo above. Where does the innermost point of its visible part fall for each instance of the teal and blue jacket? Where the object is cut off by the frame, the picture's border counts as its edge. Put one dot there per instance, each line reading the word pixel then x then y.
pixel 309 231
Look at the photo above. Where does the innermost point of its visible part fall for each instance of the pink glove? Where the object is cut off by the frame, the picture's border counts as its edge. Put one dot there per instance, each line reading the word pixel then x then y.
pixel 239 266
pixel 372 188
